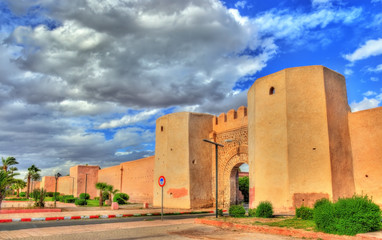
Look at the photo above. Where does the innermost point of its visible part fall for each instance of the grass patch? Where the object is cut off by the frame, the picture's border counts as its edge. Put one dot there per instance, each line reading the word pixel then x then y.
pixel 308 225
pixel 16 199
pixel 92 203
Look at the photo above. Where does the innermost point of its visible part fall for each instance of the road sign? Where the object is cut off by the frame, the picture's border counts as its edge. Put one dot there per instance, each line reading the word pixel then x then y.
pixel 162 181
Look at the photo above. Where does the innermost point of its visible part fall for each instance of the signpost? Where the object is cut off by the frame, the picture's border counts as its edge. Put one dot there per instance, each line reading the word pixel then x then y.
pixel 162 182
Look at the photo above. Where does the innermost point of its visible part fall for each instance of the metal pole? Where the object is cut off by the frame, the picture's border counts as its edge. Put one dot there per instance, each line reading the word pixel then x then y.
pixel 86 184
pixel 55 191
pixel 161 217
pixel 216 167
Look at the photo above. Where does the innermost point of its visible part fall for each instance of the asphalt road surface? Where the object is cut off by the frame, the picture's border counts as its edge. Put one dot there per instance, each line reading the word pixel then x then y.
pixel 142 228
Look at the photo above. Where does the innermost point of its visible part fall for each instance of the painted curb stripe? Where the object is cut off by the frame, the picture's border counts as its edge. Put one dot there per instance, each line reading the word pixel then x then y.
pixel 96 216
pixel 5 220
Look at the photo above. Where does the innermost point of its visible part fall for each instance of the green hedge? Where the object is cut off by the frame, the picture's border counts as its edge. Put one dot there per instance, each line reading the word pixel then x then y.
pixel 236 211
pixel 22 194
pixel 348 216
pixel 121 198
pixel 85 196
pixel 304 213
pixel 264 210
pixel 252 212
pixel 81 202
pixel 70 200
pixel 64 197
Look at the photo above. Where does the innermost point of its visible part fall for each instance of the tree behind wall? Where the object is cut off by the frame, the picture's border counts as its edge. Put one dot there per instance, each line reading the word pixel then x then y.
pixel 244 187
pixel 33 172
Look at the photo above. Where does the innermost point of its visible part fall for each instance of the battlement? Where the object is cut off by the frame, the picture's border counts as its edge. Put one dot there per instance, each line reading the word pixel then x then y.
pixel 230 120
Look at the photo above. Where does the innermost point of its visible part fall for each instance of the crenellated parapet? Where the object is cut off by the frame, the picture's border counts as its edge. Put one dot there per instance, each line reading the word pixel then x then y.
pixel 230 120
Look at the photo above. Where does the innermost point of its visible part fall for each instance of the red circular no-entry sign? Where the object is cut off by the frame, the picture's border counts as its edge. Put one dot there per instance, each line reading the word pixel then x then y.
pixel 162 181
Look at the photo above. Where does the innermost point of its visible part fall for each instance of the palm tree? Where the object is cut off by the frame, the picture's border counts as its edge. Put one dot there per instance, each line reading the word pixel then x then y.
pixel 35 177
pixel 32 170
pixel 9 161
pixel 110 189
pixel 19 184
pixel 102 187
pixel 6 180
pixel 13 169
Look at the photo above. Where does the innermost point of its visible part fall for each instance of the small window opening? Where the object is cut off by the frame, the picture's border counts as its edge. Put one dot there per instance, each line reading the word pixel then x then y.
pixel 366 175
pixel 161 128
pixel 271 91
pixel 314 148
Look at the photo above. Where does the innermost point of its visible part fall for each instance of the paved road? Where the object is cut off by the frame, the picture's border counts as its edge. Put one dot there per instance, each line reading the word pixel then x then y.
pixel 44 224
pixel 156 229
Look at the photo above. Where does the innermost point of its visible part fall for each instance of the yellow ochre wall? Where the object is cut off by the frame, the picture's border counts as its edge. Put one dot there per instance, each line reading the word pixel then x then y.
pixel 182 158
pixel 302 143
pixel 299 147
pixel 366 139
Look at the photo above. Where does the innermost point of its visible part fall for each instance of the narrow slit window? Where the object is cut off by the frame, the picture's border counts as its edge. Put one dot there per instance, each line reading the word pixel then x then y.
pixel 161 128
pixel 271 91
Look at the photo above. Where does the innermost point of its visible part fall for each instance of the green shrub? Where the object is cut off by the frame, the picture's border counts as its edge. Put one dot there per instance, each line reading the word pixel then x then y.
pixel 320 202
pixel 348 216
pixel 121 198
pixel 264 210
pixel 39 197
pixel 236 211
pixel 70 200
pixel 304 213
pixel 64 197
pixel 80 202
pixel 357 215
pixel 96 198
pixel 22 194
pixel 49 194
pixel 252 212
pixel 56 195
pixel 220 212
pixel 85 196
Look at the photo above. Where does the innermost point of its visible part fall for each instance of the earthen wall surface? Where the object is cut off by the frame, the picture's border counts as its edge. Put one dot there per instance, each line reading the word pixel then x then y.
pixel 65 185
pixel 111 176
pixel 138 179
pixel 309 153
pixel 366 140
pixel 85 178
pixel 171 160
pixel 48 183
pixel 339 136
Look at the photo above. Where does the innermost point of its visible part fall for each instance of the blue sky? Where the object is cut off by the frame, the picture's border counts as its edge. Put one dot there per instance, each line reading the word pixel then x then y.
pixel 82 82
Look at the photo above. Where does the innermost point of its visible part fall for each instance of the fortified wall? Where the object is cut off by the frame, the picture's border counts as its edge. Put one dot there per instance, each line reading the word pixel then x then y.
pixel 298 136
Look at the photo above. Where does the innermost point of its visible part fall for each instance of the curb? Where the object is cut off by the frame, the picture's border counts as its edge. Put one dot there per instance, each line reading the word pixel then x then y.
pixel 283 231
pixel 97 216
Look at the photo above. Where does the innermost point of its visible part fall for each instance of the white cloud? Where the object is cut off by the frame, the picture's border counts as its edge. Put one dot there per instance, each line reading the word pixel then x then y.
pixel 369 49
pixel 378 68
pixel 367 103
pixel 374 79
pixel 295 27
pixel 240 4
pixel 376 1
pixel 348 71
pixel 130 119
pixel 369 93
